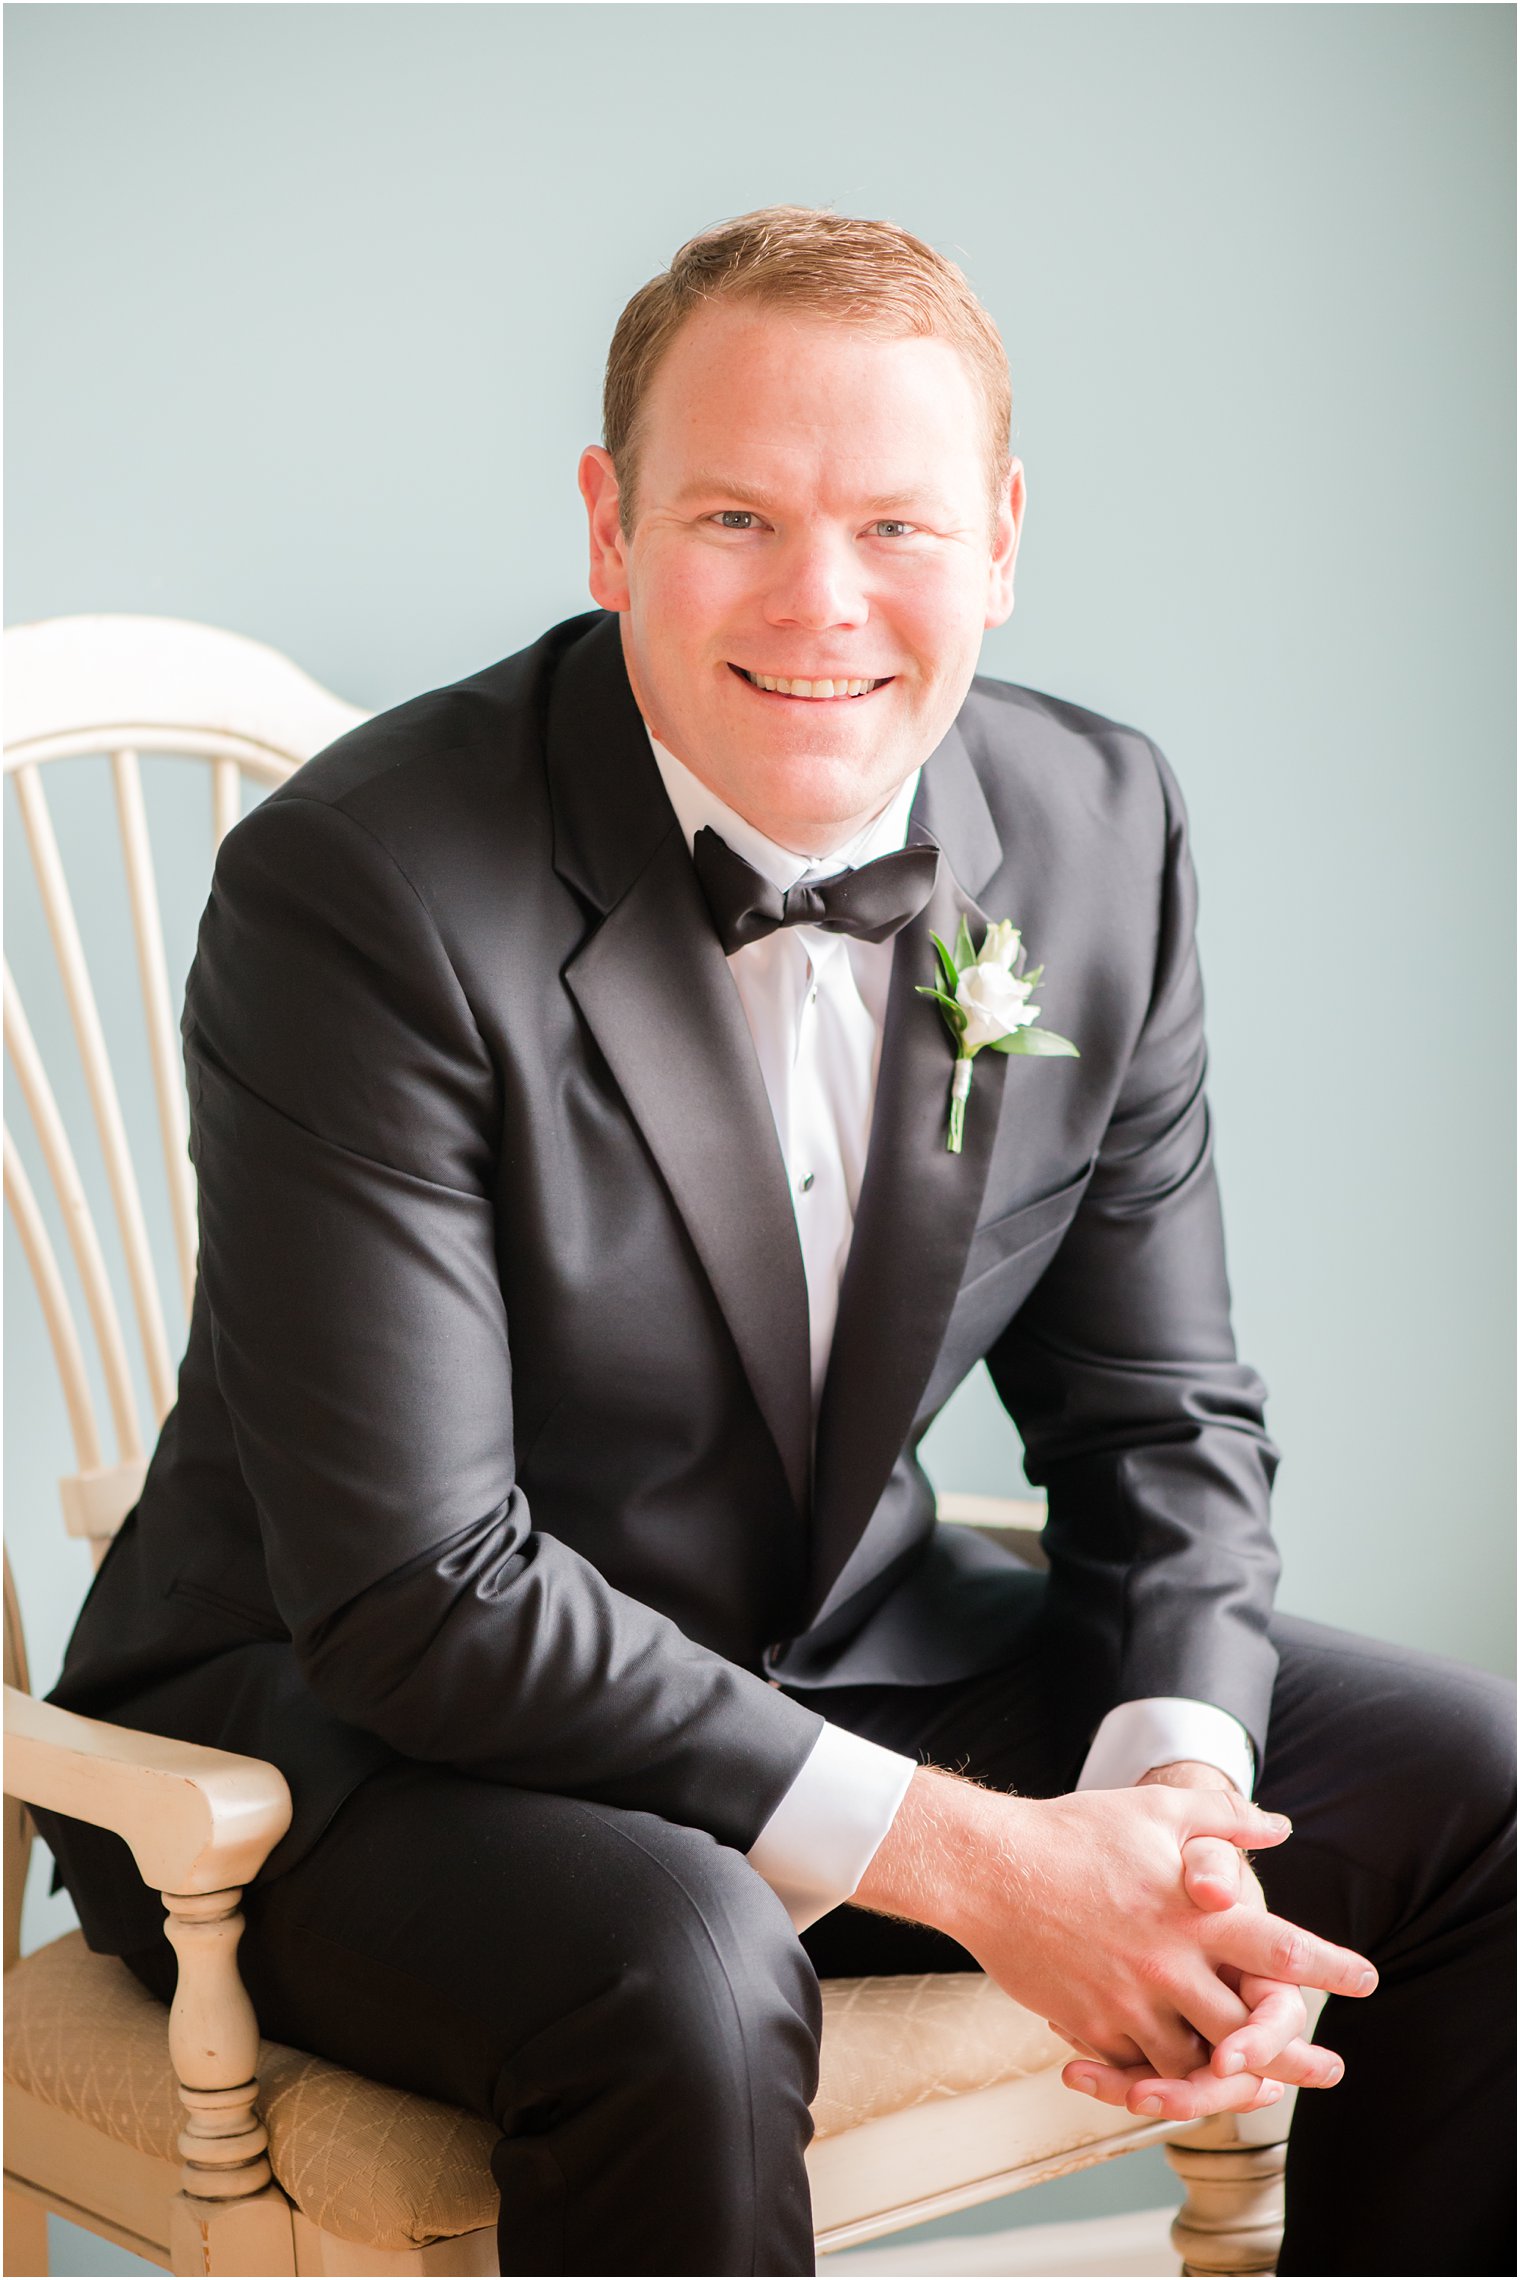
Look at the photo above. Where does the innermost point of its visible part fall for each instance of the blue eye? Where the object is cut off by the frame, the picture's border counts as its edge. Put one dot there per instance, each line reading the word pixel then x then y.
pixel 735 518
pixel 891 529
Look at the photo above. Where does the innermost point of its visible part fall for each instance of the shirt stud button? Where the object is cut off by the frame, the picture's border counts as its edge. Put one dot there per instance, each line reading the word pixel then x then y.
pixel 805 1183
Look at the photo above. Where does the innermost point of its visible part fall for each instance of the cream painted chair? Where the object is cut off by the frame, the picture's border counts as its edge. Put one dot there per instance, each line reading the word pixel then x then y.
pixel 189 2140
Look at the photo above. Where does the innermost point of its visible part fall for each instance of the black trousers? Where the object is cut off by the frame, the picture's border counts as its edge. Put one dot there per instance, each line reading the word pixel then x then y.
pixel 627 1999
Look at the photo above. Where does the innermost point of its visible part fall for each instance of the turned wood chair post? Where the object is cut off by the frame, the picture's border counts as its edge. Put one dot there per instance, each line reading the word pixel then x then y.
pixel 229 2215
pixel 1231 2218
pixel 214 2043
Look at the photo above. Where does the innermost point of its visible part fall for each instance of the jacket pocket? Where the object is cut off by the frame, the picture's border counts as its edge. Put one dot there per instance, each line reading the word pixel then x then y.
pixel 235 1614
pixel 1003 1239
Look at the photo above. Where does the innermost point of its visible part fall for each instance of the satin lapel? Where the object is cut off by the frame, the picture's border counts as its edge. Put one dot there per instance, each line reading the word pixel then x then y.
pixel 918 1203
pixel 655 990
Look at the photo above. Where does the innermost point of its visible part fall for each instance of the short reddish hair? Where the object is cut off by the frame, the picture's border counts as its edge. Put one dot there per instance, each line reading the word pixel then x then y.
pixel 871 274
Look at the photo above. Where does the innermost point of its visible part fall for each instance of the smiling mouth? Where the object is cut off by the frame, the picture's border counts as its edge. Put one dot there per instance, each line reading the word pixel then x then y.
pixel 774 685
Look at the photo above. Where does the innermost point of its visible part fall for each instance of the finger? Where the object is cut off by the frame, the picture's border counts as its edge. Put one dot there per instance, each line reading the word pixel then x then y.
pixel 1108 2084
pixel 1173 2051
pixel 1176 2036
pixel 1275 1949
pixel 1154 2098
pixel 1211 1872
pixel 1121 2052
pixel 1221 1813
pixel 1151 2097
pixel 1274 2023
pixel 1209 2006
pixel 1305 2066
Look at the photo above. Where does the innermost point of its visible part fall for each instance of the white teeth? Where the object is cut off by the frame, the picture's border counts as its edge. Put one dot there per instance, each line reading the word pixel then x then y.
pixel 811 688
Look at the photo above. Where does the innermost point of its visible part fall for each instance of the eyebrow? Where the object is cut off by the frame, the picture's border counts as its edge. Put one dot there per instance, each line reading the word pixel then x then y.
pixel 703 484
pixel 745 495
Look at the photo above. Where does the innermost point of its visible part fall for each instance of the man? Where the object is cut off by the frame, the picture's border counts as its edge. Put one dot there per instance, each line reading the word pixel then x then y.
pixel 582 1258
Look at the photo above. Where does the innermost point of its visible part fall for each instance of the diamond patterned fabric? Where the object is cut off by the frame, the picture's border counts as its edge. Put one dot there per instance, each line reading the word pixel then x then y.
pixel 892 2043
pixel 394 2170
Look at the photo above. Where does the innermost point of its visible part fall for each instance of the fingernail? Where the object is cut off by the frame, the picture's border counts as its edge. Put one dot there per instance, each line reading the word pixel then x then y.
pixel 1149 2106
pixel 1082 2080
pixel 1233 2062
pixel 1334 2075
pixel 1366 1983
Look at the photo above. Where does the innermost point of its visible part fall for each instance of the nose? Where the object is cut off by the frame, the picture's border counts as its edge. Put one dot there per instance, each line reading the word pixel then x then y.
pixel 817 584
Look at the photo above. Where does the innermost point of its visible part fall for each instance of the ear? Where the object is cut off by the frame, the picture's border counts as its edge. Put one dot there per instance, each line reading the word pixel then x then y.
pixel 609 565
pixel 1005 548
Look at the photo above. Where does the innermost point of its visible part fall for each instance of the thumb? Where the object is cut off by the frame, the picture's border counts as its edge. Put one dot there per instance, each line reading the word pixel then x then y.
pixel 1222 1813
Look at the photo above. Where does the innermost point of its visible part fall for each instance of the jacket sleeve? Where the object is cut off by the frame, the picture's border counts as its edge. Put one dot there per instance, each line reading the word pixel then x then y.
pixel 345 1116
pixel 1121 1373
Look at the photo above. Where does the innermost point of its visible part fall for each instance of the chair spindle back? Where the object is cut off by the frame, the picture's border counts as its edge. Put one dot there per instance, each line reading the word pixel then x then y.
pixel 121 687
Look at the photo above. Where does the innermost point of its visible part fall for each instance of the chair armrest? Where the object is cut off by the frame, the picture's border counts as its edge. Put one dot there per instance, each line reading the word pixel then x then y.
pixel 1014 1521
pixel 197 1820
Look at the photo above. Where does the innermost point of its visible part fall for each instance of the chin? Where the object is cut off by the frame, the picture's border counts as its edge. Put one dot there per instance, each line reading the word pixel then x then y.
pixel 819 792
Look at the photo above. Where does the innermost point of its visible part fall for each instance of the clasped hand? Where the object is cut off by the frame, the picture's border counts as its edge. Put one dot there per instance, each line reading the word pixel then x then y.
pixel 1132 1921
pixel 1253 2064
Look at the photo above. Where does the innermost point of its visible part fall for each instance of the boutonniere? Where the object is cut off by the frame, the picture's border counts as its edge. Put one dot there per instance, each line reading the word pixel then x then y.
pixel 985 1002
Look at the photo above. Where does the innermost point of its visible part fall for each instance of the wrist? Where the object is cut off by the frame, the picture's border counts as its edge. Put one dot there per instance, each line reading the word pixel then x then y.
pixel 932 1861
pixel 1187 1773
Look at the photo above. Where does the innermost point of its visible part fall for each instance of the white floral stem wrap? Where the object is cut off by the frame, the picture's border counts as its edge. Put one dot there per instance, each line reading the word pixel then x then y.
pixel 960 1093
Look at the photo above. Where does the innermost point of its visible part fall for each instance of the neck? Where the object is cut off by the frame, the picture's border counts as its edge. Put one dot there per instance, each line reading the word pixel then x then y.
pixel 808 841
pixel 809 838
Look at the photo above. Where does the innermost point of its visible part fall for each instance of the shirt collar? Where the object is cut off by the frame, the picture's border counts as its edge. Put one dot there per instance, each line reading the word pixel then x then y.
pixel 696 806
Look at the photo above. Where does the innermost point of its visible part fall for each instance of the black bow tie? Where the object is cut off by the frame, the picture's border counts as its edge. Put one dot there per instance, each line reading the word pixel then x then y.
pixel 869 904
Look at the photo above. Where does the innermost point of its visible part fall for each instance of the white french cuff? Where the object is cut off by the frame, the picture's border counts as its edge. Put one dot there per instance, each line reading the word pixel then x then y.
pixel 1161 1730
pixel 822 1837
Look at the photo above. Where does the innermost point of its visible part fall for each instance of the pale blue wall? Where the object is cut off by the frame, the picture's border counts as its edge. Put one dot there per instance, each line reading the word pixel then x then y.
pixel 307 307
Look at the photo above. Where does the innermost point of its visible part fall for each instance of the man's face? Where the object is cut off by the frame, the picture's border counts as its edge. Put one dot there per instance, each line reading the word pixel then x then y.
pixel 812 507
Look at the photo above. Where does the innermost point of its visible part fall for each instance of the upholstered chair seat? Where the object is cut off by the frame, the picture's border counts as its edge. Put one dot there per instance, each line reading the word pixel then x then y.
pixel 392 2171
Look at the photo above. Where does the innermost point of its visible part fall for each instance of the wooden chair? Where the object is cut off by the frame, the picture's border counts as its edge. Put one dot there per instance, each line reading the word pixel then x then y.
pixel 184 2137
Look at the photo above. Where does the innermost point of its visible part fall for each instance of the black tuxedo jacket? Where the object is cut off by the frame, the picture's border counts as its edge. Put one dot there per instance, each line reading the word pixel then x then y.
pixel 493 1444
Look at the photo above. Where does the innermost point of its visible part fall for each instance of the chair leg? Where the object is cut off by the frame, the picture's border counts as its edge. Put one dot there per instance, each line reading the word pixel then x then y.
pixel 1232 2218
pixel 251 2236
pixel 26 2241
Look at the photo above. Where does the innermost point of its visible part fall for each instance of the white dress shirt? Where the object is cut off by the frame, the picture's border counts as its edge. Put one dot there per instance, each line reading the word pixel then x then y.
pixel 816 1007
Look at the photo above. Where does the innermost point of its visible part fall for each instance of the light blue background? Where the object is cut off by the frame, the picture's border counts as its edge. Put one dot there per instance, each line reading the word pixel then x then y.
pixel 306 316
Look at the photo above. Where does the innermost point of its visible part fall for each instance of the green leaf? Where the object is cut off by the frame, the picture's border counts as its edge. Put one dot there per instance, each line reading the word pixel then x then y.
pixel 965 948
pixel 945 959
pixel 1043 1042
pixel 1033 976
pixel 953 1013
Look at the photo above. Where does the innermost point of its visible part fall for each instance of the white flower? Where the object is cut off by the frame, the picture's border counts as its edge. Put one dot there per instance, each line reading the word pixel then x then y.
pixel 984 1002
pixel 1002 945
pixel 995 1001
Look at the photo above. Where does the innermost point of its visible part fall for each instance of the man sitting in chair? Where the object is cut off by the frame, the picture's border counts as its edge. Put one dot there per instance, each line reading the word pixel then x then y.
pixel 630 1090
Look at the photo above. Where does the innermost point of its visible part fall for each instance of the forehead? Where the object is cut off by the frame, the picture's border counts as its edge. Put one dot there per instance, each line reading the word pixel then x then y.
pixel 755 390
